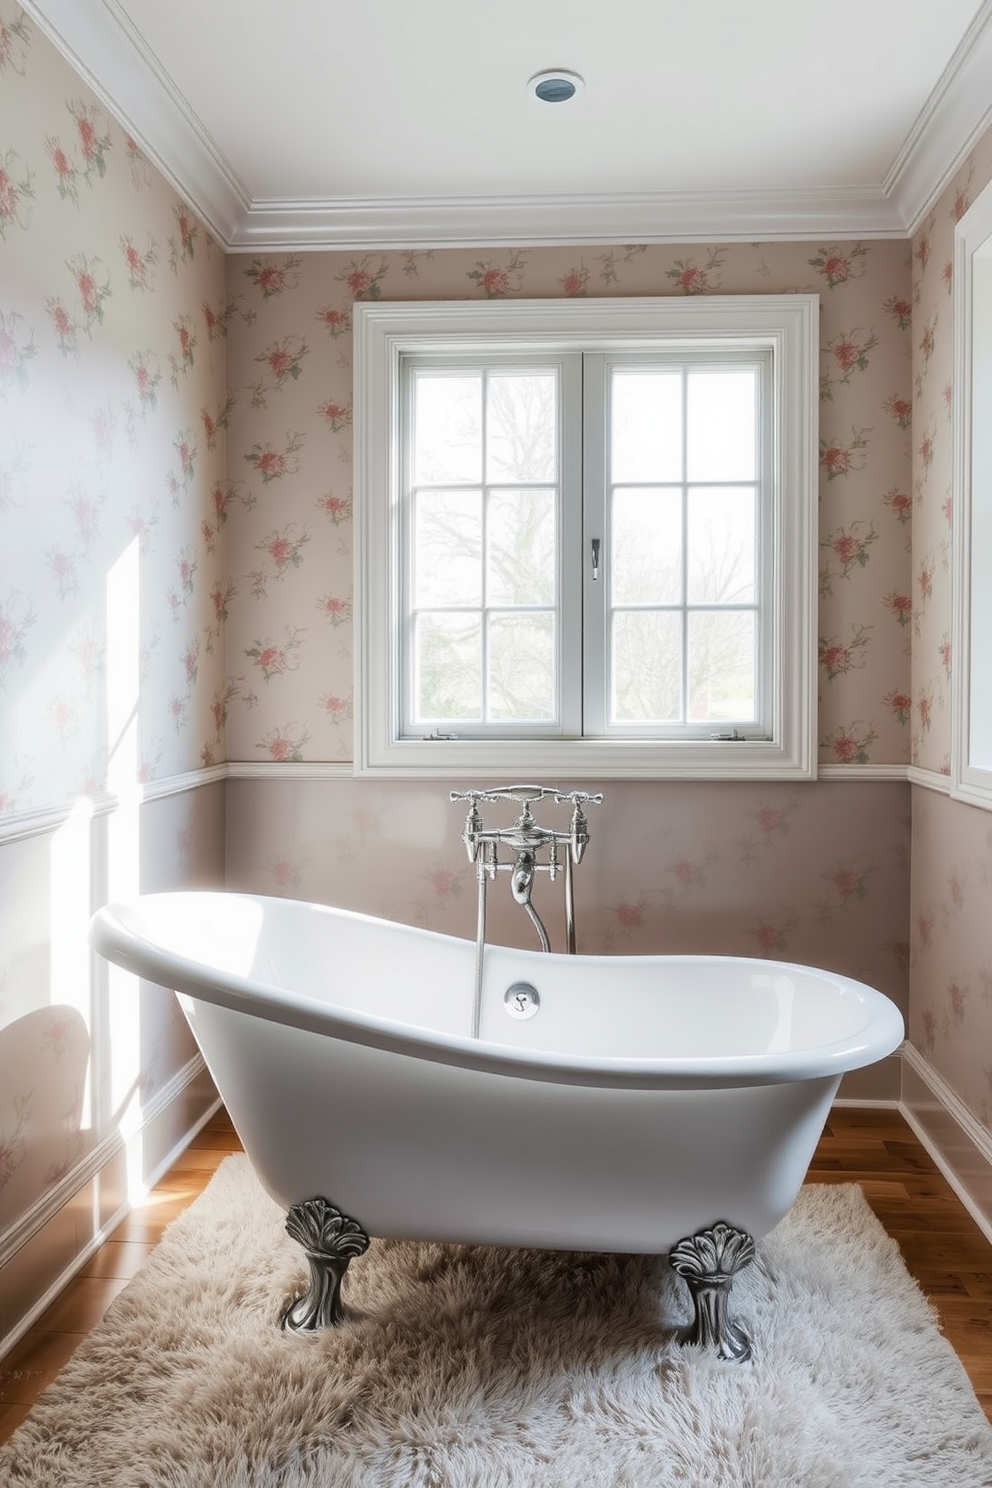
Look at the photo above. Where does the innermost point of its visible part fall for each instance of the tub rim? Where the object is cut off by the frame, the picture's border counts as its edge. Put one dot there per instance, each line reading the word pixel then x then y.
pixel 117 941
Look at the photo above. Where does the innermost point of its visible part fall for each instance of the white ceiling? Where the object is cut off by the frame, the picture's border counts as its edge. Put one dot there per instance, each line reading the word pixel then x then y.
pixel 408 121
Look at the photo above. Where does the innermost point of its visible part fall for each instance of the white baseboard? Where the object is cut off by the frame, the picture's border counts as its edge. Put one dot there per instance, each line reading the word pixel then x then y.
pixel 959 1145
pixel 56 1238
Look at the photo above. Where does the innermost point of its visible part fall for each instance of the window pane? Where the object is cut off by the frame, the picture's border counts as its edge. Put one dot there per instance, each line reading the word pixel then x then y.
pixel 721 423
pixel 521 666
pixel 447 439
pixel 721 665
pixel 646 667
pixel 721 545
pixel 447 667
pixel 520 537
pixel 521 429
pixel 645 560
pixel 447 548
pixel 645 425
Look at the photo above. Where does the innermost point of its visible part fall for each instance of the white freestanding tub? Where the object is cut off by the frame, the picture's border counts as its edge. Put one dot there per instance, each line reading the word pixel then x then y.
pixel 648 1097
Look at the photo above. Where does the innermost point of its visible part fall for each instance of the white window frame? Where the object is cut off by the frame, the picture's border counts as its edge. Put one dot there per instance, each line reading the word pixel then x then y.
pixel 384 332
pixel 971 597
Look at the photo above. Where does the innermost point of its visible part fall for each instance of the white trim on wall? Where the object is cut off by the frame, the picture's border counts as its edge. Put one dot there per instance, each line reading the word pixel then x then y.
pixel 958 1143
pixel 52 1227
pixel 954 118
pixel 519 221
pixel 971 781
pixel 862 772
pixel 258 770
pixel 929 779
pixel 38 820
pixel 97 38
pixel 17 825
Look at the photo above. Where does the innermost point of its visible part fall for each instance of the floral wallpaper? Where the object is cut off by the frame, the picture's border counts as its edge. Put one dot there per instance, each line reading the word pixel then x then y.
pixel 951 912
pixel 112 394
pixel 288 690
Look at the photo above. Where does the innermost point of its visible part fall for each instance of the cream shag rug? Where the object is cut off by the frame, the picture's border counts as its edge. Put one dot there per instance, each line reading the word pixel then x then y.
pixel 470 1367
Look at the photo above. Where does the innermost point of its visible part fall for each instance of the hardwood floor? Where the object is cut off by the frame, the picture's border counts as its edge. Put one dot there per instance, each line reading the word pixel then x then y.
pixel 943 1247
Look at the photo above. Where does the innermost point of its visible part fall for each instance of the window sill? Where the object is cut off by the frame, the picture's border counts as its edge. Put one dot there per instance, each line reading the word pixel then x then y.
pixel 641 759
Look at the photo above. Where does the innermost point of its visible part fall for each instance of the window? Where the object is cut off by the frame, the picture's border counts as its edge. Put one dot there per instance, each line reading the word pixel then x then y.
pixel 971 711
pixel 586 537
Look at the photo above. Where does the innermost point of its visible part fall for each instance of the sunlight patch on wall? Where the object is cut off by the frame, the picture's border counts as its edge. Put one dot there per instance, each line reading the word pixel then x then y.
pixel 70 906
pixel 123 835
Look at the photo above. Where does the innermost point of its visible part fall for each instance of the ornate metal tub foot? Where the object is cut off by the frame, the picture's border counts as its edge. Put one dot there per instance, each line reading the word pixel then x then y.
pixel 708 1262
pixel 330 1240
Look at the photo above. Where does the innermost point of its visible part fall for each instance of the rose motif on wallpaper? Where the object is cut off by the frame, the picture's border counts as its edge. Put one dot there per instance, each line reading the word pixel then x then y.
pixel 273 659
pixel 838 459
pixel 335 321
pixel 338 709
pixel 848 548
pixel 849 743
pixel 837 657
pixel 15 38
pixel 362 277
pixel 93 135
pixel 139 264
pixel 497 282
pixel 900 504
pixel 901 409
pixel 692 278
pixel 271 463
pixel 182 247
pixel 285 744
pixel 181 362
pixel 217 320
pixel 338 508
pixel 900 703
pixel 839 265
pixel 272 278
pixel 16 192
pixel 575 281
pixel 284 549
pixel 283 362
pixel 848 353
pixel 337 416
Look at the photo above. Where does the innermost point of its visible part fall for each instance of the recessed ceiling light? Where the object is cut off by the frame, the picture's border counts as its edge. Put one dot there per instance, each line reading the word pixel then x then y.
pixel 556 85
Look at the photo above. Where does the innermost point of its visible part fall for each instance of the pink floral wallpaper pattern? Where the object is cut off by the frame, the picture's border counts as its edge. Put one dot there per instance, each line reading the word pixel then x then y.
pixel 288 691
pixel 951 908
pixel 112 390
pixel 112 397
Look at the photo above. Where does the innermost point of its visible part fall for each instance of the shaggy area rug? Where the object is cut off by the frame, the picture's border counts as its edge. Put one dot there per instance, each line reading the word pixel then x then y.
pixel 471 1367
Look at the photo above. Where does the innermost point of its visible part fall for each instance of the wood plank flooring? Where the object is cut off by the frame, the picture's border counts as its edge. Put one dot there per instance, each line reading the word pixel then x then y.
pixel 943 1247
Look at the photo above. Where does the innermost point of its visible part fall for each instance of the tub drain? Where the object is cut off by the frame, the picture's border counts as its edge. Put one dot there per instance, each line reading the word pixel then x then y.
pixel 521 1000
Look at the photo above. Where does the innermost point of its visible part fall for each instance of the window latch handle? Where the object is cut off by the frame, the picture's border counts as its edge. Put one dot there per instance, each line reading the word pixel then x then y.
pixel 595 557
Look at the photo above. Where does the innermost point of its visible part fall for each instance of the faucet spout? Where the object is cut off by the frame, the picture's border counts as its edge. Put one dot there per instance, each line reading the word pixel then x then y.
pixel 522 878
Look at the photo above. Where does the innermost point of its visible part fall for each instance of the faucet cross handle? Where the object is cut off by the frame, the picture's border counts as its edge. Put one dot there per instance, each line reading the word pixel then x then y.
pixel 576 797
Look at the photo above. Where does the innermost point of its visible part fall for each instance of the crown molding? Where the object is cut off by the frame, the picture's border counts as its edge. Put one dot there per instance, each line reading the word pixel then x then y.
pixel 520 221
pixel 99 41
pixel 954 118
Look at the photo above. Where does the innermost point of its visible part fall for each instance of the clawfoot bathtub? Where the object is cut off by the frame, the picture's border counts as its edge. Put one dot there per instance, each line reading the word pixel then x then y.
pixel 643 1103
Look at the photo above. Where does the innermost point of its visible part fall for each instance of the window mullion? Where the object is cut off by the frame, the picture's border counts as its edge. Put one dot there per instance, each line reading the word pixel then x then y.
pixel 595 525
pixel 484 554
pixel 684 576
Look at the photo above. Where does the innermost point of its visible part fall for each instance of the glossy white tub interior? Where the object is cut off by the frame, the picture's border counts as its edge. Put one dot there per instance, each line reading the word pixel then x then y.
pixel 649 1097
